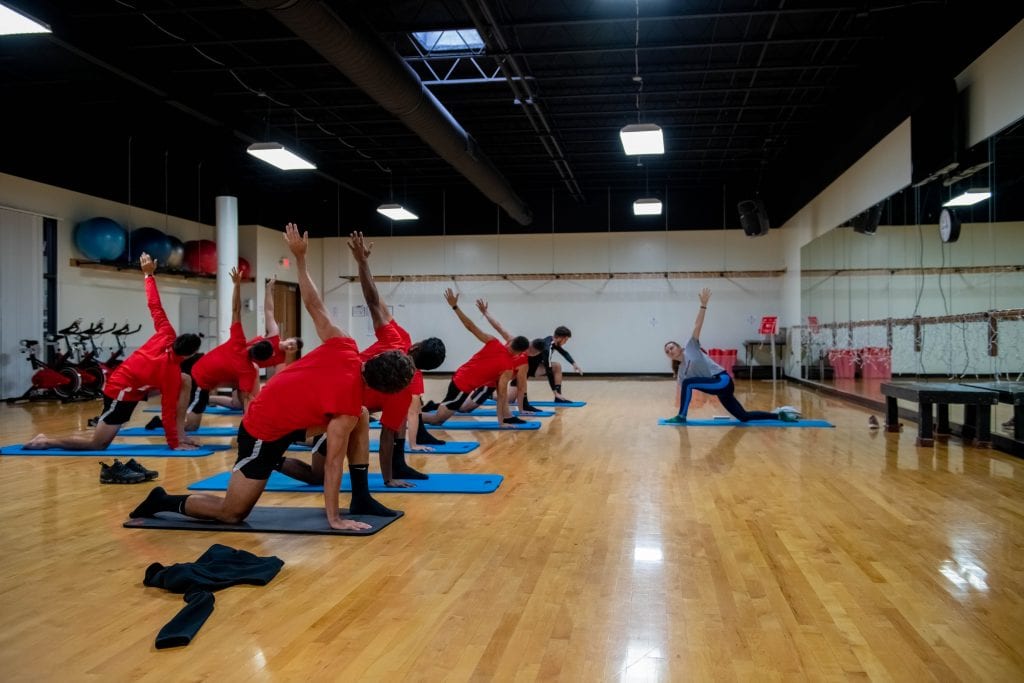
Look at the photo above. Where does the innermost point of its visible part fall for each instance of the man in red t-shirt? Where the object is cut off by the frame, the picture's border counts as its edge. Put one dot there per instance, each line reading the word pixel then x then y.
pixel 322 389
pixel 488 370
pixel 230 365
pixel 284 350
pixel 151 368
pixel 397 409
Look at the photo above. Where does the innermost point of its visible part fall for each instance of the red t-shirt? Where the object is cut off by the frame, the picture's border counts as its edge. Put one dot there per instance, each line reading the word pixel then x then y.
pixel 152 367
pixel 484 368
pixel 309 393
pixel 228 365
pixel 393 407
pixel 278 356
pixel 518 361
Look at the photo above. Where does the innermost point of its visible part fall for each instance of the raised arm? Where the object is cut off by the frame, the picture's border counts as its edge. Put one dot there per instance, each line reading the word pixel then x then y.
pixel 236 297
pixel 269 321
pixel 156 309
pixel 298 244
pixel 453 300
pixel 482 305
pixel 361 253
pixel 704 296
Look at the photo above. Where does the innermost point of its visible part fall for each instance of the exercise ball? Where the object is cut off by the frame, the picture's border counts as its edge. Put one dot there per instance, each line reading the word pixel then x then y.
pixel 152 241
pixel 244 269
pixel 100 239
pixel 201 256
pixel 176 254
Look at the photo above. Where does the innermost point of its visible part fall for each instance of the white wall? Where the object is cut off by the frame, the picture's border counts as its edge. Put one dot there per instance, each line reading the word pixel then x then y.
pixel 22 294
pixel 619 324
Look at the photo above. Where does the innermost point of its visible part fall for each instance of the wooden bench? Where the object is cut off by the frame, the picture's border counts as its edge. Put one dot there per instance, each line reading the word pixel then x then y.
pixel 1009 392
pixel 977 402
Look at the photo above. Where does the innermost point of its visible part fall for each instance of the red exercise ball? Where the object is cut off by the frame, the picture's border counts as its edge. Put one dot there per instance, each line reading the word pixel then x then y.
pixel 201 256
pixel 244 269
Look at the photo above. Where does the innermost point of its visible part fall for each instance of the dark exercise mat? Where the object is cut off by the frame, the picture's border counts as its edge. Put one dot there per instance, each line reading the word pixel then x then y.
pixel 546 404
pixel 449 448
pixel 442 482
pixel 202 431
pixel 483 425
pixel 141 450
pixel 752 423
pixel 210 410
pixel 267 520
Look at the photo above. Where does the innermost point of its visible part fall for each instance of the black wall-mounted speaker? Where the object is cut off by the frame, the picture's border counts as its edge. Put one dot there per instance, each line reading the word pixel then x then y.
pixel 867 223
pixel 753 217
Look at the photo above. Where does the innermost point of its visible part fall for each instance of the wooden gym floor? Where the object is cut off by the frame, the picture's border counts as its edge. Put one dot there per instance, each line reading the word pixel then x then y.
pixel 614 550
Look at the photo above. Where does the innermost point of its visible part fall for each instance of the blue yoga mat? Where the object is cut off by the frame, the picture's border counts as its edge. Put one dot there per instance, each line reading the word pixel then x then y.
pixel 122 450
pixel 752 423
pixel 202 431
pixel 210 410
pixel 546 404
pixel 443 482
pixel 489 425
pixel 449 448
pixel 493 412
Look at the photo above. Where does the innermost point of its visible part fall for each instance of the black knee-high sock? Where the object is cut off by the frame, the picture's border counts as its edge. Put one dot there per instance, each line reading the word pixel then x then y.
pixel 399 468
pixel 557 388
pixel 159 501
pixel 362 502
pixel 424 438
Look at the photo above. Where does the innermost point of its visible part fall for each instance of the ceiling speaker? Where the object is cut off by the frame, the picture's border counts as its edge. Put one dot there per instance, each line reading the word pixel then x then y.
pixel 753 217
pixel 867 222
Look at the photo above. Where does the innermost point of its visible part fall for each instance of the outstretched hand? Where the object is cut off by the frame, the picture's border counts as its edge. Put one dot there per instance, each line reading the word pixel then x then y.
pixel 704 296
pixel 360 248
pixel 236 277
pixel 271 282
pixel 451 297
pixel 148 264
pixel 482 305
pixel 297 243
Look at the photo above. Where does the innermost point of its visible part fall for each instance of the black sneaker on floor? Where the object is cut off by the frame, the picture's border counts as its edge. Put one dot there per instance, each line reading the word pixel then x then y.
pixel 119 474
pixel 155 423
pixel 559 399
pixel 514 421
pixel 135 466
pixel 530 409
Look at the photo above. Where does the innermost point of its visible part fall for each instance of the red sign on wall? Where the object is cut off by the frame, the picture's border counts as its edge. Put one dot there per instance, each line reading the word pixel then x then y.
pixel 812 322
pixel 769 324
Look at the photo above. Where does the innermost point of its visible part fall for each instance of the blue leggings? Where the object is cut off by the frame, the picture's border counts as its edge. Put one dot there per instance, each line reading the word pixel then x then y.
pixel 721 386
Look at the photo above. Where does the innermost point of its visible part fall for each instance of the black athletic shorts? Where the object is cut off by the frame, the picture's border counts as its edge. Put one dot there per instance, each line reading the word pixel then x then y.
pixel 258 458
pixel 455 397
pixel 199 398
pixel 115 411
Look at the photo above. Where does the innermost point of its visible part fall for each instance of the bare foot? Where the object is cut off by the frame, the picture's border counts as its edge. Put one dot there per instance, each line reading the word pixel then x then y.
pixel 38 443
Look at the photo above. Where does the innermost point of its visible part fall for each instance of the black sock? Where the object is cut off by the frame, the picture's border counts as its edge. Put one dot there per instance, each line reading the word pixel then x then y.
pixel 155 423
pixel 424 438
pixel 158 501
pixel 399 468
pixel 362 502
pixel 558 388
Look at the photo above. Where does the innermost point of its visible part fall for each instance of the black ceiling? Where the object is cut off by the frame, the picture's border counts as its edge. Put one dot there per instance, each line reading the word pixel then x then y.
pixel 153 102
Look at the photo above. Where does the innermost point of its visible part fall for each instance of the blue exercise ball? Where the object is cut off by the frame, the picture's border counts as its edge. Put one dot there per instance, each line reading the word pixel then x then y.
pixel 100 239
pixel 176 257
pixel 151 241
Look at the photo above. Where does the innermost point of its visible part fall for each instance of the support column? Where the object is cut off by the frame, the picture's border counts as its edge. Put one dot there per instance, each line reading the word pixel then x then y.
pixel 227 258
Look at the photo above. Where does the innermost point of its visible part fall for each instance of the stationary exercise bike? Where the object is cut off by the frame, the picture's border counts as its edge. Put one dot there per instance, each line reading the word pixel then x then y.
pixel 50 382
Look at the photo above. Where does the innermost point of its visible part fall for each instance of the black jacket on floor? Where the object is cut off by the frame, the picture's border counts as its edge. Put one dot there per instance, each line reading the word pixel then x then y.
pixel 219 567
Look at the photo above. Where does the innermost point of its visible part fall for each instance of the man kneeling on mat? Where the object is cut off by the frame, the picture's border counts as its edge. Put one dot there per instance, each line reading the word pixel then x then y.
pixel 490 369
pixel 397 409
pixel 153 367
pixel 695 370
pixel 324 388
